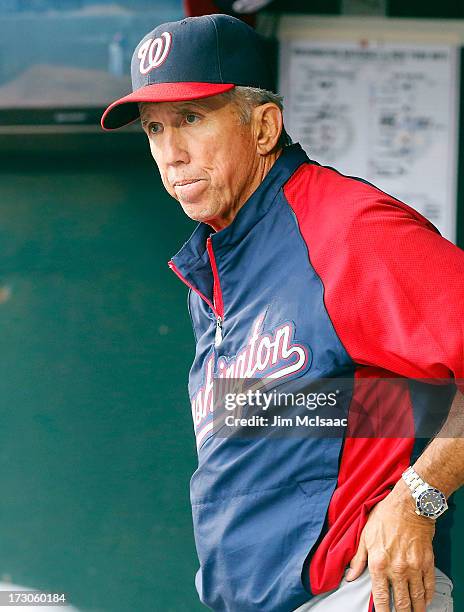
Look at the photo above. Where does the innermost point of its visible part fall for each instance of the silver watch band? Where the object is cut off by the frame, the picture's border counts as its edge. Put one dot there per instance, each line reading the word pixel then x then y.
pixel 414 482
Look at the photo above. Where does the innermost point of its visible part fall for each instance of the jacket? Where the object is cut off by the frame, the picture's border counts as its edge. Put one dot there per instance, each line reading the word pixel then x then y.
pixel 320 276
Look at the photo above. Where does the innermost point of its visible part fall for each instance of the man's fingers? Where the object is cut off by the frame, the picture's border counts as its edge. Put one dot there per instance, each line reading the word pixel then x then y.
pixel 408 596
pixel 358 562
pixel 380 592
pixel 401 594
pixel 417 591
pixel 429 584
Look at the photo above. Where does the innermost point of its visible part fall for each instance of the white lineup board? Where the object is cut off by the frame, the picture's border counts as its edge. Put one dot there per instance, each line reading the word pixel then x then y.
pixel 384 111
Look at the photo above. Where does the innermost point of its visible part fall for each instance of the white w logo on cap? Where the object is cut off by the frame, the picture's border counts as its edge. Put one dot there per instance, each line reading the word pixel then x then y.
pixel 153 52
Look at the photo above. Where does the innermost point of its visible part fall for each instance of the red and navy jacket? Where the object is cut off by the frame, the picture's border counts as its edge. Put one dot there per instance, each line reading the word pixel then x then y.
pixel 320 276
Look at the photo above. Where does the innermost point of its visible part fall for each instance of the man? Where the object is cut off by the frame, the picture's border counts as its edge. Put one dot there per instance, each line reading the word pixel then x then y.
pixel 296 272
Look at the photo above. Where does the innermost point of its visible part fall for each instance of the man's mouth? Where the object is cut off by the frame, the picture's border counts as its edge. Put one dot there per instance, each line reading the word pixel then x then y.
pixel 185 182
pixel 190 190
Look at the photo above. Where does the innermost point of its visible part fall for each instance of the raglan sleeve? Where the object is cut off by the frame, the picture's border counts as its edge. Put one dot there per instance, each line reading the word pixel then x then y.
pixel 393 286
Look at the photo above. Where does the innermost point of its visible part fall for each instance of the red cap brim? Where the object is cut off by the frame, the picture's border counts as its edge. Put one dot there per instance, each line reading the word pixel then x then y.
pixel 125 110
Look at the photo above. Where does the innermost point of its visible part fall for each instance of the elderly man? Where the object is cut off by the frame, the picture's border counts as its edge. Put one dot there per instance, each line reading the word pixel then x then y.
pixel 296 272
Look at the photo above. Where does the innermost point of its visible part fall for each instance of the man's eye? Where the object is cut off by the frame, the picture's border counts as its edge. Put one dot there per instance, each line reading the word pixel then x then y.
pixel 154 128
pixel 191 118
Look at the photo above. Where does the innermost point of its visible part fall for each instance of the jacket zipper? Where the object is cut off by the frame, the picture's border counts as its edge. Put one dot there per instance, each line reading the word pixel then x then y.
pixel 217 306
pixel 217 294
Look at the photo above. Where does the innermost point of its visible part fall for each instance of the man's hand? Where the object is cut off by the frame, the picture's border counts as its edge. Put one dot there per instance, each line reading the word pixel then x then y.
pixel 397 545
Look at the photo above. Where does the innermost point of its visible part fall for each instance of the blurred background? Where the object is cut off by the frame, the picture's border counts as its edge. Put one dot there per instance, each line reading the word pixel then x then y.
pixel 96 444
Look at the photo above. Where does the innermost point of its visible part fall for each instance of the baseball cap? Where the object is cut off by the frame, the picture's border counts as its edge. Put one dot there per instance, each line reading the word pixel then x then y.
pixel 193 58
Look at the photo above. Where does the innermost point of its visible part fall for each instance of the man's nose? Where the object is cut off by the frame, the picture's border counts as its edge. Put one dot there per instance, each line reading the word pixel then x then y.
pixel 175 150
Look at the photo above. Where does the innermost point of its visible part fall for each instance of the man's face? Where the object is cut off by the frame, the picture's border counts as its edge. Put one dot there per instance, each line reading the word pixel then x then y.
pixel 207 158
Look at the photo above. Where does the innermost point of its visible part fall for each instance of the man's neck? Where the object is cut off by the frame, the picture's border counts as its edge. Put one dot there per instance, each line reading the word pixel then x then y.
pixel 259 175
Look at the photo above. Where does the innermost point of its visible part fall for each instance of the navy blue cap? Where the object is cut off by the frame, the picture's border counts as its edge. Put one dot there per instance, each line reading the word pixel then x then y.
pixel 193 58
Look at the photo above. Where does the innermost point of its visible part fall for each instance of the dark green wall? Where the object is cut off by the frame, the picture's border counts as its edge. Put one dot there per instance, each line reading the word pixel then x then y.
pixel 96 444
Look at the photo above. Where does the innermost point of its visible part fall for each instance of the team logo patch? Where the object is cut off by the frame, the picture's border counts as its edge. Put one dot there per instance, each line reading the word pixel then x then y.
pixel 153 52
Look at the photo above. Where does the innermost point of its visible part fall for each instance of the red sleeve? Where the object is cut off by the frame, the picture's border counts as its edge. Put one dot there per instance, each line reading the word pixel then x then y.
pixel 393 287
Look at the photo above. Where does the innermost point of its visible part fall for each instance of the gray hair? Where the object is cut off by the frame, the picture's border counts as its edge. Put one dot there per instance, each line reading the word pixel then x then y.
pixel 247 98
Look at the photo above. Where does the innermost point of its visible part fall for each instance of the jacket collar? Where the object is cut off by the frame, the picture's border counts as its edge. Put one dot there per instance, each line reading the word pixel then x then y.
pixel 192 259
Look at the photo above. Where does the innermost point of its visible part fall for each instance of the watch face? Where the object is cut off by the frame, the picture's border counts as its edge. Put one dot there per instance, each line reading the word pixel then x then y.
pixel 431 503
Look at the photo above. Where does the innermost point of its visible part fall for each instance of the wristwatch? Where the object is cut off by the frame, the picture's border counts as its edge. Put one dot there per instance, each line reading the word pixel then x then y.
pixel 430 502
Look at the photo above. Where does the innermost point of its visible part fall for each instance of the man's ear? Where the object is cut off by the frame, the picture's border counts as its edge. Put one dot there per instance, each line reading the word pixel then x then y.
pixel 268 123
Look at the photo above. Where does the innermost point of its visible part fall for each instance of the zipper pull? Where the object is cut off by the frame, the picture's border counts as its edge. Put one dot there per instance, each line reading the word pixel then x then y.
pixel 218 335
